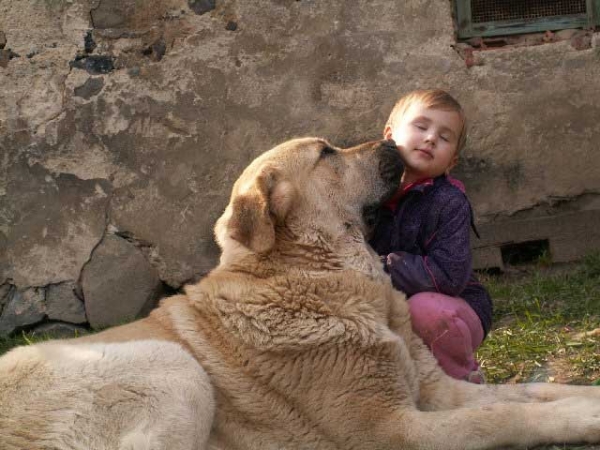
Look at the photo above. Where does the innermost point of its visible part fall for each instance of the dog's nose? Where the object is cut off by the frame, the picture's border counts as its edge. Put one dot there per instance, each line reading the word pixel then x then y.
pixel 390 163
pixel 389 143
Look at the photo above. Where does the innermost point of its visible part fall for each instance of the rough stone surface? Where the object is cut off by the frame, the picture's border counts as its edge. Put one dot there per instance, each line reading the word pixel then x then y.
pixel 118 284
pixel 24 308
pixel 55 218
pixel 189 92
pixel 91 87
pixel 112 13
pixel 95 64
pixel 5 57
pixel 62 303
pixel 6 291
pixel 201 6
pixel 569 235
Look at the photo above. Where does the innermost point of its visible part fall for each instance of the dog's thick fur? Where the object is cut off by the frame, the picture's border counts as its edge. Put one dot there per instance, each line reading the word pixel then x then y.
pixel 296 340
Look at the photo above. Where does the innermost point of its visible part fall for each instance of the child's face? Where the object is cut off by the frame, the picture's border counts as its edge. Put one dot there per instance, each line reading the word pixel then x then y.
pixel 427 140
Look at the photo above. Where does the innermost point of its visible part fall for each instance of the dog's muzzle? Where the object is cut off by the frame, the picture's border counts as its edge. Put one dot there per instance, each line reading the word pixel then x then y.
pixel 390 172
pixel 390 166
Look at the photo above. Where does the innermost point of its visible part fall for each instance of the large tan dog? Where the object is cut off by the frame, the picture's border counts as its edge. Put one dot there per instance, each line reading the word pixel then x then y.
pixel 295 341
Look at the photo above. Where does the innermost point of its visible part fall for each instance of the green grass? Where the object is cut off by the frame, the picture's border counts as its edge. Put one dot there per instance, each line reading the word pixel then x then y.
pixel 6 343
pixel 32 337
pixel 538 321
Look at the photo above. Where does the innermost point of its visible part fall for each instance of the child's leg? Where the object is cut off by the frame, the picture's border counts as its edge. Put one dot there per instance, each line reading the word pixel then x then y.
pixel 450 328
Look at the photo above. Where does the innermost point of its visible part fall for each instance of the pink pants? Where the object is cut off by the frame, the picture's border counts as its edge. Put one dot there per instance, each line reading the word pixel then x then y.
pixel 450 328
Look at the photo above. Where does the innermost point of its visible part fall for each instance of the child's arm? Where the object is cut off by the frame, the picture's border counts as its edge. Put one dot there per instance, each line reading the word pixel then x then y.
pixel 445 265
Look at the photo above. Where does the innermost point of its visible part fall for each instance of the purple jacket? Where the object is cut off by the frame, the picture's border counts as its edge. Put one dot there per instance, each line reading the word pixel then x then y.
pixel 426 237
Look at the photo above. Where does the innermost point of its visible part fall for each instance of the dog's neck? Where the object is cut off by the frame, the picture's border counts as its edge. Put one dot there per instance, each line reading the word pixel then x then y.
pixel 312 253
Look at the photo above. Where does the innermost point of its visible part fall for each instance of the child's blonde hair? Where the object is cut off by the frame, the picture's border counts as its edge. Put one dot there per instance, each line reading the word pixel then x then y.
pixel 434 99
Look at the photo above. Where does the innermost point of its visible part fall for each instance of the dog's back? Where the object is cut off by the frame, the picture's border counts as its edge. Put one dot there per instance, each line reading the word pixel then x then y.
pixel 101 396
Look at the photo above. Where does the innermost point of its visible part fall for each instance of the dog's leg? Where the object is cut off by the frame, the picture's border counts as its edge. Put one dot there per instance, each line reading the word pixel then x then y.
pixel 441 392
pixel 572 420
pixel 447 414
pixel 438 391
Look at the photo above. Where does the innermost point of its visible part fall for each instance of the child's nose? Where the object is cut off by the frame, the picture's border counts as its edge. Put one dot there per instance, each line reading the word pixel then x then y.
pixel 431 137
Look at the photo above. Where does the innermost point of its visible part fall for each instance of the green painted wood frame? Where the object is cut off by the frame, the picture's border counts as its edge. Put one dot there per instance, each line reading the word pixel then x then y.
pixel 467 29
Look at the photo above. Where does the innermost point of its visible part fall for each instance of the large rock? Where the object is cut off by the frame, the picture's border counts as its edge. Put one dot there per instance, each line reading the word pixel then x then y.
pixel 118 283
pixel 54 221
pixel 24 308
pixel 62 304
pixel 5 295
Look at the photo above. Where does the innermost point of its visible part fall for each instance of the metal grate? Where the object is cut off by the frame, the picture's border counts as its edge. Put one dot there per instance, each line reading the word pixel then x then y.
pixel 497 10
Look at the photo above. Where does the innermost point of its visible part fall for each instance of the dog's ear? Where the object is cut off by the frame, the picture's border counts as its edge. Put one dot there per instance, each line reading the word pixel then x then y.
pixel 257 209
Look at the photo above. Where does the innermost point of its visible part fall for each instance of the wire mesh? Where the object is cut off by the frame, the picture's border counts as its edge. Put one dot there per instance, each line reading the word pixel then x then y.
pixel 497 10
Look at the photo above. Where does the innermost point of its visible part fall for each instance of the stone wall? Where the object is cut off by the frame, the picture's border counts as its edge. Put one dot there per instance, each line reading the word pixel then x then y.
pixel 123 124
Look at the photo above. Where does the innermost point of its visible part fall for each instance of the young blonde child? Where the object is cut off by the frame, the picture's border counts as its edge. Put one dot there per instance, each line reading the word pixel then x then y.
pixel 424 231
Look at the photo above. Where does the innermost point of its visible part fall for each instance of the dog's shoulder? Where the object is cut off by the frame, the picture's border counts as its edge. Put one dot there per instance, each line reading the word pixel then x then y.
pixel 294 310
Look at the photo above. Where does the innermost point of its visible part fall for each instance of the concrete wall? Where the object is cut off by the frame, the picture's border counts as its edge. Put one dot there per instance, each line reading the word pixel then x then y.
pixel 123 124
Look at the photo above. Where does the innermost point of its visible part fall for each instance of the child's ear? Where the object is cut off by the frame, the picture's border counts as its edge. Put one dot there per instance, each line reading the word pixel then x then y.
pixel 387 132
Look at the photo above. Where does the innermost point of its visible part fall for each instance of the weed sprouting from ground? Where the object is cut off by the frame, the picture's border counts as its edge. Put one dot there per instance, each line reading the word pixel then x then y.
pixel 6 343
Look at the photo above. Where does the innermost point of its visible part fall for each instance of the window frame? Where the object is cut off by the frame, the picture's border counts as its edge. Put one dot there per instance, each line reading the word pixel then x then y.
pixel 466 29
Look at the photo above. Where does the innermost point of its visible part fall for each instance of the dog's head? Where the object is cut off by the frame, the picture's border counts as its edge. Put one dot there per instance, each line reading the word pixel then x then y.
pixel 308 191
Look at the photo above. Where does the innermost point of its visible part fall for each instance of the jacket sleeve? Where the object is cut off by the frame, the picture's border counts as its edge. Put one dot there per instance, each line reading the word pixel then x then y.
pixel 445 266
